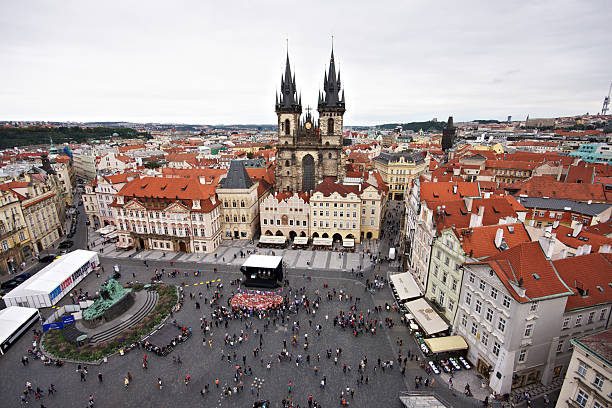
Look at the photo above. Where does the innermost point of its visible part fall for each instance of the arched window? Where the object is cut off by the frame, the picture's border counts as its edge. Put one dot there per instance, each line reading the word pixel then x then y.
pixel 330 126
pixel 326 143
pixel 287 163
pixel 329 155
pixel 233 204
pixel 287 127
pixel 242 203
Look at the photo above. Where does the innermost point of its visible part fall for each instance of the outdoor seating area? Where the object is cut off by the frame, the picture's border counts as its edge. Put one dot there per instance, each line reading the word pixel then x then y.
pixel 272 241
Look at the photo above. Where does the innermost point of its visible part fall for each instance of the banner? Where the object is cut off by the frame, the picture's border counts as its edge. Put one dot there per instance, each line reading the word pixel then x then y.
pixel 53 326
pixel 67 319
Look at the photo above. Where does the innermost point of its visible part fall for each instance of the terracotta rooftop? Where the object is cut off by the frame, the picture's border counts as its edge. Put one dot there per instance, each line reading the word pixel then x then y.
pixel 168 188
pixel 547 186
pixel 600 344
pixel 479 242
pixel 602 228
pixel 444 191
pixel 526 264
pixel 565 235
pixel 591 288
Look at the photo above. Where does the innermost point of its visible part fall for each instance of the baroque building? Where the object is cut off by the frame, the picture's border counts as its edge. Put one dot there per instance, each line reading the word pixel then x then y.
pixel 309 151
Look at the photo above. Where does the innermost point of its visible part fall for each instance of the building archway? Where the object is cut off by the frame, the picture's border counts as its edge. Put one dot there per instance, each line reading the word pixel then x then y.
pixel 369 235
pixel 315 235
pixel 308 173
pixel 269 233
pixel 302 234
pixel 292 234
pixel 141 243
pixel 106 223
pixel 350 236
pixel 279 233
pixel 325 235
pixel 182 246
pixel 337 237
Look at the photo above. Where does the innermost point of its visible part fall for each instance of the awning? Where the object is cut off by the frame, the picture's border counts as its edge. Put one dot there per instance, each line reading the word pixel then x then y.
pixel 322 241
pixel 405 286
pixel 300 240
pixel 272 239
pixel 446 344
pixel 123 244
pixel 348 242
pixel 106 230
pixel 426 316
pixel 421 401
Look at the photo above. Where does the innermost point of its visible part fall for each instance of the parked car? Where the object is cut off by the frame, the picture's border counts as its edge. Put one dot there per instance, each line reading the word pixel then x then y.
pixel 66 244
pixel 116 274
pixel 48 259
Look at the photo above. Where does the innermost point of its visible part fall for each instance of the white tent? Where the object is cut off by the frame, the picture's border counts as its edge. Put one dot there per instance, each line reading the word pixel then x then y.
pixel 272 239
pixel 405 286
pixel 14 321
pixel 54 281
pixel 263 261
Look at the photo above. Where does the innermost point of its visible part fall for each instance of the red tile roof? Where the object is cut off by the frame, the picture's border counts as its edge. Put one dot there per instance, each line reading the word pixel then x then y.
pixel 602 228
pixel 592 288
pixel 580 174
pixel 527 264
pixel 547 186
pixel 285 195
pixel 564 234
pixel 123 149
pixel 510 164
pixel 168 188
pixel 479 242
pixel 443 191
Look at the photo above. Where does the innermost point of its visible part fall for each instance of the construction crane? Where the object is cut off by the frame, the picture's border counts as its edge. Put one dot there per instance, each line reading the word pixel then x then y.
pixel 604 109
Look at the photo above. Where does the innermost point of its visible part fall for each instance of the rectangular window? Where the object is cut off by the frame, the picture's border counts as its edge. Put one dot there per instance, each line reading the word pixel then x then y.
pixel 478 306
pixel 464 320
pixel 582 398
pixel 578 320
pixel 528 330
pixel 472 278
pixel 522 355
pixel 599 381
pixel 582 369
pixel 433 289
pixel 454 286
pixel 506 302
pixel 451 305
pixel 489 316
pixel 474 328
pixel 496 348
pixel 602 314
pixel 494 293
pixel 484 338
pixel 501 325
pixel 483 285
pixel 468 298
pixel 265 221
pixel 444 277
pixel 566 322
pixel 591 317
pixel 533 307
pixel 441 298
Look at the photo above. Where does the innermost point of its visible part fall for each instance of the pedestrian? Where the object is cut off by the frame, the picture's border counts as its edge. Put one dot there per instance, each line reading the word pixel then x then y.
pixel 159 383
pixel 126 382
pixel 129 376
pixel 100 377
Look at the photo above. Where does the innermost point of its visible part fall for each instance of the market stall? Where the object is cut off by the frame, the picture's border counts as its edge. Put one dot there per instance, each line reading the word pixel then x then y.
pixel 54 281
pixel 348 244
pixel 322 243
pixel 446 344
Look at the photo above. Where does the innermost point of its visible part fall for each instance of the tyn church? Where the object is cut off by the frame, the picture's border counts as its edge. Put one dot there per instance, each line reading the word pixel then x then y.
pixel 309 150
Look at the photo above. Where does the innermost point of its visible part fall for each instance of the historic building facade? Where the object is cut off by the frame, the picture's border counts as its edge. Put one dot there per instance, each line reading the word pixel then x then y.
pixel 309 150
pixel 162 213
pixel 285 214
pixel 14 237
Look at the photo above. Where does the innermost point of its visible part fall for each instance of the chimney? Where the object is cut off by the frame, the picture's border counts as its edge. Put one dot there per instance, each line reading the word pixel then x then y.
pixel 604 249
pixel 577 229
pixel 548 245
pixel 474 220
pixel 481 210
pixel 435 179
pixel 468 203
pixel 555 224
pixel 454 189
pixel 499 236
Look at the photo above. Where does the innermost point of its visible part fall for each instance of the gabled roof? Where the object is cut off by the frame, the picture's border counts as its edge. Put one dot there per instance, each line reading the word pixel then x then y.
pixel 526 264
pixel 590 276
pixel 479 242
pixel 168 188
pixel 237 177
pixel 560 204
pixel 329 186
pixel 580 174
pixel 602 228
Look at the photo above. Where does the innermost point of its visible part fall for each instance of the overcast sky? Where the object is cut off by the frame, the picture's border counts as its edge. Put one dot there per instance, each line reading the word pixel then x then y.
pixel 214 62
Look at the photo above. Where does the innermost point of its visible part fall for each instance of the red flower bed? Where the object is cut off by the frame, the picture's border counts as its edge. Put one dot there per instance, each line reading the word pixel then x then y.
pixel 256 301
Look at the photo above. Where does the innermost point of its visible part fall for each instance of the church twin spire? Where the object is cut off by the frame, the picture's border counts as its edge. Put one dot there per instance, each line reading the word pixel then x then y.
pixel 288 100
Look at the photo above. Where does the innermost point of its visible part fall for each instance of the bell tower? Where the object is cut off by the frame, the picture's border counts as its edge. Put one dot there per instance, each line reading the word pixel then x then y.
pixel 331 107
pixel 288 108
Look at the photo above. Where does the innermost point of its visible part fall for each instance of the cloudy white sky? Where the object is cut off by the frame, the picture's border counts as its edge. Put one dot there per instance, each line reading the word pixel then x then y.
pixel 214 62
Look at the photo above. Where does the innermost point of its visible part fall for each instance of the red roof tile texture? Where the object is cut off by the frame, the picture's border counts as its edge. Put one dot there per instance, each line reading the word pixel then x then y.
pixel 589 276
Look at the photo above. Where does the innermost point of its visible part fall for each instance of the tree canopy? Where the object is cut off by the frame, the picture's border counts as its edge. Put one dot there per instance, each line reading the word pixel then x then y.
pixel 25 136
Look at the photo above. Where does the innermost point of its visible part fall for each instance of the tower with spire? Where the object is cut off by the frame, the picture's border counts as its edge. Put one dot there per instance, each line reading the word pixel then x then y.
pixel 309 150
pixel 331 105
pixel 288 106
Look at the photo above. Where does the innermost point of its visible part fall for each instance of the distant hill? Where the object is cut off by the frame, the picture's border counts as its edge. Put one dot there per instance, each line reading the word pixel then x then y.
pixel 26 136
pixel 414 126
